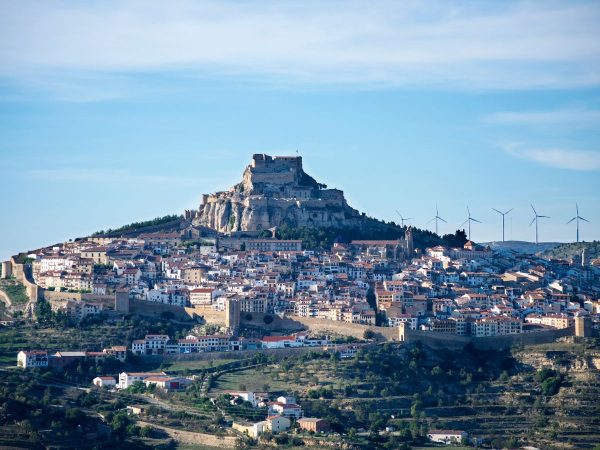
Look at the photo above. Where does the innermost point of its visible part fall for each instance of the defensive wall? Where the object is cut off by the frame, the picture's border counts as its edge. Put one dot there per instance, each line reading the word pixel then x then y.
pixel 317 326
pixel 59 299
pixel 455 342
pixel 276 354
pixel 22 273
pixel 155 310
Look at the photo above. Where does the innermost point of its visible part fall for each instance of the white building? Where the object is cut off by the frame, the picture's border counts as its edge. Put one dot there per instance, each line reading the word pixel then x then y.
pixel 33 358
pixel 126 379
pixel 104 382
pixel 446 436
pixel 285 409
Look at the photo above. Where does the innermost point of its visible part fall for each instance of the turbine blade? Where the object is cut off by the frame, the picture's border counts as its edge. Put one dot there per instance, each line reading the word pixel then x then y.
pixel 571 220
pixel 509 210
pixel 585 220
pixel 475 220
pixel 469 211
pixel 532 220
pixel 432 220
pixel 534 211
pixel 544 217
pixel 464 222
pixel 499 212
pixel 442 220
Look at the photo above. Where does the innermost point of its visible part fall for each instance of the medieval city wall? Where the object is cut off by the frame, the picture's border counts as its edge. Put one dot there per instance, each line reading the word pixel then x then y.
pixel 453 341
pixel 154 309
pixel 22 273
pixel 275 353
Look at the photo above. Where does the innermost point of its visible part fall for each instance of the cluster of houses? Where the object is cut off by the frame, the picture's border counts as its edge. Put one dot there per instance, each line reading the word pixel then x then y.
pixel 280 415
pixel 157 379
pixel 28 359
pixel 470 290
pixel 160 344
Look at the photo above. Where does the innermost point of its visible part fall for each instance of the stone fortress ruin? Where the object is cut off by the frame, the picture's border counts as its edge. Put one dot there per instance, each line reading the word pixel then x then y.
pixel 276 191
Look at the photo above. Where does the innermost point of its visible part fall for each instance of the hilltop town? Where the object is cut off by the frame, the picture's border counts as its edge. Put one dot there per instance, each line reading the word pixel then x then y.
pixel 228 286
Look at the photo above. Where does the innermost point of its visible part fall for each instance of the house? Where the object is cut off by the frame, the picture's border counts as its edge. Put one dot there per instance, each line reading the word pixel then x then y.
pixel 126 379
pixel 285 409
pixel 314 424
pixel 168 383
pixel 118 352
pixel 278 423
pixel 247 396
pixel 201 296
pixel 279 342
pixel 33 358
pixel 60 360
pixel 447 436
pixel 104 382
pixel 274 424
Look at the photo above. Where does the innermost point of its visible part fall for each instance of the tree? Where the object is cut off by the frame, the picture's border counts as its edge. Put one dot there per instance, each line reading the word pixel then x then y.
pixel 268 319
pixel 74 415
pixel 368 334
pixel 551 386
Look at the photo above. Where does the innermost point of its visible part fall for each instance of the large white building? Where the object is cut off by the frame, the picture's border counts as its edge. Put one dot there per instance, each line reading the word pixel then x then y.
pixel 33 358
pixel 126 379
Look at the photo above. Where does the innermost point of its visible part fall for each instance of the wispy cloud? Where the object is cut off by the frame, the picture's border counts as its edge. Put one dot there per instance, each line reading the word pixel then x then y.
pixel 584 160
pixel 566 117
pixel 480 45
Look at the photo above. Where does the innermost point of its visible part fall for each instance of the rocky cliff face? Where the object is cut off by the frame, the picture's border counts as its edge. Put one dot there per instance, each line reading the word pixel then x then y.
pixel 276 191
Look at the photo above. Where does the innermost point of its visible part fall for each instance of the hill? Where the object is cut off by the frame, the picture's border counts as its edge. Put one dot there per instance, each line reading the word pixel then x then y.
pixel 574 249
pixel 529 248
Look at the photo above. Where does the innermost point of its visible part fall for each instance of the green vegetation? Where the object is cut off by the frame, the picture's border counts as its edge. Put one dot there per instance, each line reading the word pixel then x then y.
pixel 413 389
pixel 54 331
pixel 313 238
pixel 568 251
pixel 35 413
pixel 135 226
pixel 16 291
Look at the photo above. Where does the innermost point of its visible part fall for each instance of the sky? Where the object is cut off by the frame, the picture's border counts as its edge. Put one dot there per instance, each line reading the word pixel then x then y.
pixel 120 111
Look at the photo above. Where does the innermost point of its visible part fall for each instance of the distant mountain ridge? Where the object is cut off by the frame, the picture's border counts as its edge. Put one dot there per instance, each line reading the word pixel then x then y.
pixel 529 248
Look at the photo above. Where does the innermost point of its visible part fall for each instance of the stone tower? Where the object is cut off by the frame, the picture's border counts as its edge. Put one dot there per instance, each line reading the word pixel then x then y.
pixel 410 245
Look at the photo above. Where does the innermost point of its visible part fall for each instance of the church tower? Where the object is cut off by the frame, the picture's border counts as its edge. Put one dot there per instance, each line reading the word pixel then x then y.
pixel 408 237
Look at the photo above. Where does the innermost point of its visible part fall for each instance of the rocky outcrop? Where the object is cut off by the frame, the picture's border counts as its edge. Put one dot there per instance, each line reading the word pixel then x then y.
pixel 276 191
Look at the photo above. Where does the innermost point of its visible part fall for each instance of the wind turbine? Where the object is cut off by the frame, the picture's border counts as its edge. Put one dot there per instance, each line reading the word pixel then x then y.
pixel 535 219
pixel 403 219
pixel 577 218
pixel 436 218
pixel 469 220
pixel 502 214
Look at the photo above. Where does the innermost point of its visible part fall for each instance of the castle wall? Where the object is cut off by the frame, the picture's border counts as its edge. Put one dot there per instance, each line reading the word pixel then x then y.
pixel 56 296
pixel 154 309
pixel 22 273
pixel 453 341
pixel 6 269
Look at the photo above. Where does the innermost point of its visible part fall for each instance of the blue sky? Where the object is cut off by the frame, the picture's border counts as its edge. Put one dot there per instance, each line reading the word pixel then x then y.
pixel 112 112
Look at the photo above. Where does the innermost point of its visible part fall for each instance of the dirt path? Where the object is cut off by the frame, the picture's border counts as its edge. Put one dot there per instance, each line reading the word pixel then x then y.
pixel 189 437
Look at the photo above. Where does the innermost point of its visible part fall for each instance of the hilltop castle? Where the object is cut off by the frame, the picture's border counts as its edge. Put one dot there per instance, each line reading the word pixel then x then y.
pixel 276 191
